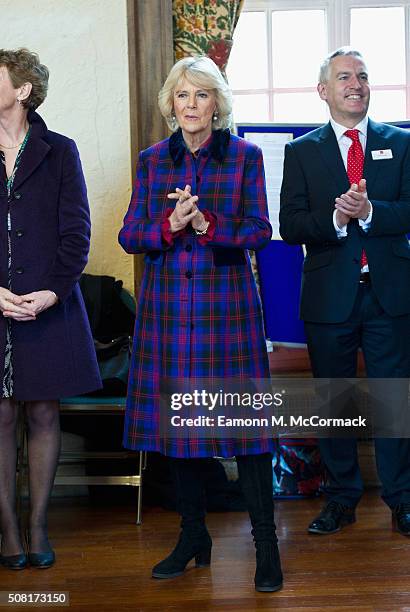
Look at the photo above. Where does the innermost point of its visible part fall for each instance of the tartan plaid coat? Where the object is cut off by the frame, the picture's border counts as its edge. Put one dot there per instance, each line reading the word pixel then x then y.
pixel 199 313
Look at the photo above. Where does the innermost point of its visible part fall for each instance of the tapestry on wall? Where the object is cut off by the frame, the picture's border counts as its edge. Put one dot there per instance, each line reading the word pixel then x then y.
pixel 205 27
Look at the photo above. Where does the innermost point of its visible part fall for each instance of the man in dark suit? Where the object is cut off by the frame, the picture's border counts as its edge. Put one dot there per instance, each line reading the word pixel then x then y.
pixel 346 196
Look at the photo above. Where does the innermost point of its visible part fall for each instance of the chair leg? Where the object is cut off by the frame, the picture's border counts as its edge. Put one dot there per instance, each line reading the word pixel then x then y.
pixel 141 466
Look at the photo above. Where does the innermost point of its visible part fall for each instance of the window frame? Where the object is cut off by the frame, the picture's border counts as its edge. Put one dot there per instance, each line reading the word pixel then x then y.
pixel 337 16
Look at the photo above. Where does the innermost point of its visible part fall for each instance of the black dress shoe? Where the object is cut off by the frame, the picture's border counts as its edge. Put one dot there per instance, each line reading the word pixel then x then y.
pixel 14 562
pixel 401 518
pixel 333 517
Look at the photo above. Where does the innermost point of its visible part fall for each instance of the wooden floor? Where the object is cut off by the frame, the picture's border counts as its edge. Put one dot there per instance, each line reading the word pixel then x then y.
pixel 104 562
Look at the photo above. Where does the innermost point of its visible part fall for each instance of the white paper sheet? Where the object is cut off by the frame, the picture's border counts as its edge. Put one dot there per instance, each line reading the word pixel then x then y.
pixel 273 149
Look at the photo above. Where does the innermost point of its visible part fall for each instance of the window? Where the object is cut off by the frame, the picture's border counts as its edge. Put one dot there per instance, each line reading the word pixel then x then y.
pixel 279 45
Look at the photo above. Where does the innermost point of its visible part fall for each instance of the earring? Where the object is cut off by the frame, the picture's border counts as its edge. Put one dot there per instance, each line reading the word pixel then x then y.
pixel 215 117
pixel 174 123
pixel 19 101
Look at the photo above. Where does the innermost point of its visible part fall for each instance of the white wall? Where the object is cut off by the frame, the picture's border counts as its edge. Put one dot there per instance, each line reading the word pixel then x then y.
pixel 84 45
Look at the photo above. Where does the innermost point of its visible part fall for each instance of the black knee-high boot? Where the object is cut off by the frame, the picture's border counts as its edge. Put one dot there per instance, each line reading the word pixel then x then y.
pixel 255 477
pixel 194 539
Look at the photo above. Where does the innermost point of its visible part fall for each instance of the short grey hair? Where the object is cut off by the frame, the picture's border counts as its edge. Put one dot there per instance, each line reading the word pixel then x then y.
pixel 202 72
pixel 24 66
pixel 325 66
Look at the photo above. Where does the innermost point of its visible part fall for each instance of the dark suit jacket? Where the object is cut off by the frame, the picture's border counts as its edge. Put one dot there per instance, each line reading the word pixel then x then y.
pixel 314 175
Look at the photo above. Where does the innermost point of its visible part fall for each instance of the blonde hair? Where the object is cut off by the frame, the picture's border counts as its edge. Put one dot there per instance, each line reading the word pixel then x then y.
pixel 24 66
pixel 202 72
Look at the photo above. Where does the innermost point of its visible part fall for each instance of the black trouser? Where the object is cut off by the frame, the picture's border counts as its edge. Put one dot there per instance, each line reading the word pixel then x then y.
pixel 333 350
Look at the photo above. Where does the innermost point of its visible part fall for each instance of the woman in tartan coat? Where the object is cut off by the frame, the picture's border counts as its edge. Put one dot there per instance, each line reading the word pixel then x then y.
pixel 198 204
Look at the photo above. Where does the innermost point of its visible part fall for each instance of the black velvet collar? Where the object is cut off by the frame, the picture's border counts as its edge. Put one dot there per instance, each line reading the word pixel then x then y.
pixel 217 148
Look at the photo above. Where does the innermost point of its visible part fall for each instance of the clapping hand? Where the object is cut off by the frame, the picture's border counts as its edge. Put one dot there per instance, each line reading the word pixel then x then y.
pixel 353 204
pixel 185 209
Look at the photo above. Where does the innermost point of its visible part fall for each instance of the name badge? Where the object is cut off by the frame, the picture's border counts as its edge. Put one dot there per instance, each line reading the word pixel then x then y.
pixel 382 154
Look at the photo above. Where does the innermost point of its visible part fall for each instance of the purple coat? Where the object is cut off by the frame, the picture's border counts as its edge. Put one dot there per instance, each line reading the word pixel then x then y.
pixel 199 314
pixel 53 356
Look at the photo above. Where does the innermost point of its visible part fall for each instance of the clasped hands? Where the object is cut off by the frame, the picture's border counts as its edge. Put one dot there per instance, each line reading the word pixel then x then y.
pixel 186 210
pixel 25 307
pixel 353 204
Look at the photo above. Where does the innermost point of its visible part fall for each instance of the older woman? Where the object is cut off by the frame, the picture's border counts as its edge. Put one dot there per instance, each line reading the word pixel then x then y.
pixel 46 349
pixel 199 315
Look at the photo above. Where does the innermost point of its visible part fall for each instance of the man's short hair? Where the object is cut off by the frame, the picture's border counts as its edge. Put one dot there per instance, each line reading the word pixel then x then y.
pixel 325 66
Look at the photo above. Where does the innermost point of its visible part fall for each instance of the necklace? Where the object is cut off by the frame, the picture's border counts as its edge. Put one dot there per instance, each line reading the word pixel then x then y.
pixel 10 148
pixel 17 145
pixel 10 180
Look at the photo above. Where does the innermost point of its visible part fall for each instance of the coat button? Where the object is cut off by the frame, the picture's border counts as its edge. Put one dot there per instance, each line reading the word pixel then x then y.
pixel 19 233
pixel 188 248
pixel 188 274
pixel 19 270
pixel 17 195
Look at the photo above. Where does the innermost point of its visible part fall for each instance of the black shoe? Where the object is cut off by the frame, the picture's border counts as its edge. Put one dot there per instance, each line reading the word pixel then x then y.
pixel 401 518
pixel 42 560
pixel 268 576
pixel 332 518
pixel 187 548
pixel 14 562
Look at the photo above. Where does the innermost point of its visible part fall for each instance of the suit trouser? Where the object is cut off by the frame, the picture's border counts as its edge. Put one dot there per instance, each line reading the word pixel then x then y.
pixel 333 350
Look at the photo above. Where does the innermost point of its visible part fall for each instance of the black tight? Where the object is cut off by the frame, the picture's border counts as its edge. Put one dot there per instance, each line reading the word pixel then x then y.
pixel 10 541
pixel 43 425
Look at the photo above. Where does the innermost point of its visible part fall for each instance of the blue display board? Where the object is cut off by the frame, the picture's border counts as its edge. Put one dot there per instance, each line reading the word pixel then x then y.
pixel 280 268
pixel 280 273
pixel 280 264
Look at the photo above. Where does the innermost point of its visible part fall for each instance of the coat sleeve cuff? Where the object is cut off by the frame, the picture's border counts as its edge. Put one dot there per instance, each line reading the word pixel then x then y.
pixel 205 238
pixel 168 237
pixel 62 289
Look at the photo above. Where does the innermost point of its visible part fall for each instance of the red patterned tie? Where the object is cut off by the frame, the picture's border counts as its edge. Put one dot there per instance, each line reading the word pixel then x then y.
pixel 355 163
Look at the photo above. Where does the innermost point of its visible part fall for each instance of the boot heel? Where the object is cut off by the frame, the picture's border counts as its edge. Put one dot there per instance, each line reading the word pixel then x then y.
pixel 268 576
pixel 187 548
pixel 203 558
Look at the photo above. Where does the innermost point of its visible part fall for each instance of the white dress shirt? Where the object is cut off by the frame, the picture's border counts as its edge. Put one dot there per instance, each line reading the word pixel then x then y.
pixel 344 143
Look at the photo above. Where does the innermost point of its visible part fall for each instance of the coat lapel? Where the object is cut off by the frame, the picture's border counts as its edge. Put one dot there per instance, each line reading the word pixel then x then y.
pixel 35 151
pixel 33 155
pixel 375 141
pixel 330 152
